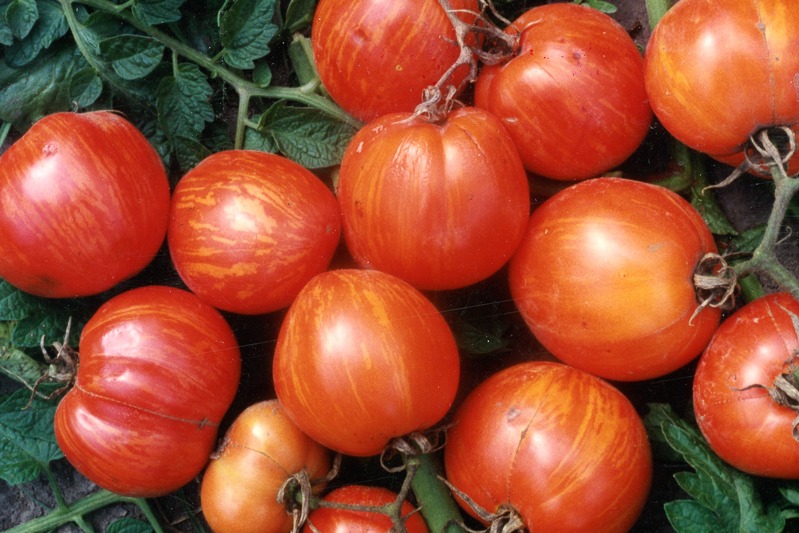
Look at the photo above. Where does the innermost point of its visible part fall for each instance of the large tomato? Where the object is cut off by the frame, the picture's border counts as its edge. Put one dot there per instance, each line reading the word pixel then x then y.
pixel 573 97
pixel 563 448
pixel 718 72
pixel 261 450
pixel 249 229
pixel 604 278
pixel 378 56
pixel 741 421
pixel 336 520
pixel 441 206
pixel 363 357
pixel 85 205
pixel 158 370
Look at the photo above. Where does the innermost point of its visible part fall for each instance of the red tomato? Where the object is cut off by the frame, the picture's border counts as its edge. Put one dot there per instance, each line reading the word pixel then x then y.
pixel 441 206
pixel 604 278
pixel 261 450
pixel 573 97
pixel 85 205
pixel 717 72
pixel 331 520
pixel 742 423
pixel 374 56
pixel 363 357
pixel 158 370
pixel 249 229
pixel 565 449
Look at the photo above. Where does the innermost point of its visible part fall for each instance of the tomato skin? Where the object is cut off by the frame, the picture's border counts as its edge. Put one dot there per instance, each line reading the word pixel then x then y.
pixel 329 520
pixel 573 97
pixel 248 229
pixel 158 370
pixel 375 58
pixel 261 450
pixel 363 357
pixel 740 420
pixel 717 72
pixel 441 206
pixel 85 205
pixel 567 450
pixel 604 279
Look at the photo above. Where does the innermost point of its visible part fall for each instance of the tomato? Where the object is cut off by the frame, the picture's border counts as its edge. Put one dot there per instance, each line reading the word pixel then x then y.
pixel 374 56
pixel 261 450
pixel 363 357
pixel 718 72
pixel 573 97
pixel 158 370
pixel 249 229
pixel 333 520
pixel 441 206
pixel 741 421
pixel 85 205
pixel 604 279
pixel 565 449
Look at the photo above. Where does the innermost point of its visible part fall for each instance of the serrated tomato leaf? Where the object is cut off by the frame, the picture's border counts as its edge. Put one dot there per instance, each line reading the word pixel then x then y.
pixel 724 498
pixel 50 25
pixel 155 12
pixel 129 525
pixel 305 135
pixel 245 30
pixel 21 15
pixel 132 56
pixel 27 437
pixel 183 102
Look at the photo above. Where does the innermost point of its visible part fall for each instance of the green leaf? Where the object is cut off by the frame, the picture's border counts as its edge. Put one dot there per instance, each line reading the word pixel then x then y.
pixel 129 525
pixel 16 364
pixel 21 16
pixel 153 12
pixel 189 152
pixel 183 102
pixel 27 437
pixel 50 25
pixel 85 87
pixel 748 240
pixel 132 56
pixel 35 317
pixel 305 135
pixel 245 31
pixel 725 499
pixel 299 15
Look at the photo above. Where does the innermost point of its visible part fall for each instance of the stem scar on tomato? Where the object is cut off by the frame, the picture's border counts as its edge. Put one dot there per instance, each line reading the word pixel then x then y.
pixel 61 368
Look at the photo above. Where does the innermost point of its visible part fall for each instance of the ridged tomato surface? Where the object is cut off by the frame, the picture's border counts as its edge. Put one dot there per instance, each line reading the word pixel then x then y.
pixel 85 205
pixel 158 370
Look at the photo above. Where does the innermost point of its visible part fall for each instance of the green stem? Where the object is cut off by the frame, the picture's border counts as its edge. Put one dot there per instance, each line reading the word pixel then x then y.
pixel 683 176
pixel 243 87
pixel 76 511
pixel 5 129
pixel 439 509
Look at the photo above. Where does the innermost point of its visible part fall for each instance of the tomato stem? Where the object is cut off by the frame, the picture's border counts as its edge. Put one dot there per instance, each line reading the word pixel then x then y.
pixel 439 509
pixel 655 9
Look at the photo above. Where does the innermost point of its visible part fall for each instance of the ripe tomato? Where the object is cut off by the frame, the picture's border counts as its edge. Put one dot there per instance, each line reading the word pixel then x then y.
pixel 573 97
pixel 158 370
pixel 717 72
pixel 374 56
pixel 85 205
pixel 249 229
pixel 332 520
pixel 604 278
pixel 261 450
pixel 441 206
pixel 742 423
pixel 565 449
pixel 363 357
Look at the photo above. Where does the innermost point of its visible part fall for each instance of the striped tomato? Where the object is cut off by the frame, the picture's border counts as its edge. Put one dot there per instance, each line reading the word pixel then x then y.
pixel 85 205
pixel 363 357
pixel 260 452
pixel 331 519
pixel 249 229
pixel 440 205
pixel 158 370
pixel 564 449
pixel 374 56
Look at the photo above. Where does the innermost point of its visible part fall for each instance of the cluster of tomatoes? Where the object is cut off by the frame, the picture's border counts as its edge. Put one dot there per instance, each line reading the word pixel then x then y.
pixel 602 272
